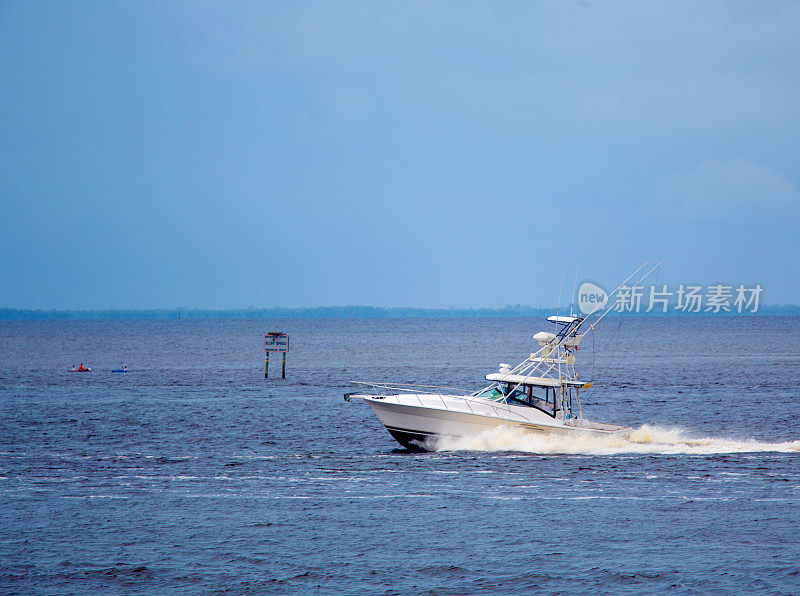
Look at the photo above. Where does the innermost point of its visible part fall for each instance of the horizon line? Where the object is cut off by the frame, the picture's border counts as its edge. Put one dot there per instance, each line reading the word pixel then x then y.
pixel 346 311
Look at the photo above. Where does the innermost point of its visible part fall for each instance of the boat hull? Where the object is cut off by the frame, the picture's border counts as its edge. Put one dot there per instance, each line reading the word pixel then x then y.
pixel 418 426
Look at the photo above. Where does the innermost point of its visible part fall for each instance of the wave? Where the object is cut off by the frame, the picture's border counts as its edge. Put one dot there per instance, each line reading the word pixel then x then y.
pixel 645 439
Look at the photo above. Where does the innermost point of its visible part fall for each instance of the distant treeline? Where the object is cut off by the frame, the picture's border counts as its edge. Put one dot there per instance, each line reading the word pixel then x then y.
pixel 333 312
pixel 319 312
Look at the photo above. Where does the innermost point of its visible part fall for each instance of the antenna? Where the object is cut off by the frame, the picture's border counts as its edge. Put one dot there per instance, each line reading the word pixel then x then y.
pixel 560 288
pixel 574 285
pixel 558 307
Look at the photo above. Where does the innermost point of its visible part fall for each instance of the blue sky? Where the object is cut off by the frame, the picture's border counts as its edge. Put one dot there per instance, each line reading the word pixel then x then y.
pixel 394 154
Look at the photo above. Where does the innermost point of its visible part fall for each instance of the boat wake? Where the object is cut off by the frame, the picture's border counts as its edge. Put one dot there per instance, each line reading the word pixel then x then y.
pixel 646 439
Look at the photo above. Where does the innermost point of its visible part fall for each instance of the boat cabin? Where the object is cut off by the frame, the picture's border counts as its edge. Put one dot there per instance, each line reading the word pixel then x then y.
pixel 543 393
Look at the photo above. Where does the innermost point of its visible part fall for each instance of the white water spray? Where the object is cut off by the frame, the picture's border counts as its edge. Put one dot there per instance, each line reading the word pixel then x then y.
pixel 645 439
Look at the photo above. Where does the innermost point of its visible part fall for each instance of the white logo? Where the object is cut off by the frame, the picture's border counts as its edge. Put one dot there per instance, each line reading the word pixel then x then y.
pixel 591 298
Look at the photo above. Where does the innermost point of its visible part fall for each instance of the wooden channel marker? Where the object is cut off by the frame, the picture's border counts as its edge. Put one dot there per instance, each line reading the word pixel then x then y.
pixel 275 341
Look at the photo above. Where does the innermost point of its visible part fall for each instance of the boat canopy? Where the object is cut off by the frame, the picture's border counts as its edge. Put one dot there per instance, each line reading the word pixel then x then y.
pixel 538 381
pixel 566 320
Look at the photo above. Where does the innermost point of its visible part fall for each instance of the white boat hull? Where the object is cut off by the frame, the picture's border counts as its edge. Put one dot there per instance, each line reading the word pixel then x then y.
pixel 416 420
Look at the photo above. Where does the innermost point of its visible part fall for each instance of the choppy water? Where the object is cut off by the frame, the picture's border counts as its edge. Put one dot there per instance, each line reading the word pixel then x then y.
pixel 193 474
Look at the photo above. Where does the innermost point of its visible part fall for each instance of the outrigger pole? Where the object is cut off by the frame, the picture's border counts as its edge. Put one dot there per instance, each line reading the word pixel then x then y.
pixel 577 327
pixel 641 279
pixel 567 332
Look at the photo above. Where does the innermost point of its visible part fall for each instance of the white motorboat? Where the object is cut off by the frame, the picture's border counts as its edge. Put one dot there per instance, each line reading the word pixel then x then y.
pixel 541 394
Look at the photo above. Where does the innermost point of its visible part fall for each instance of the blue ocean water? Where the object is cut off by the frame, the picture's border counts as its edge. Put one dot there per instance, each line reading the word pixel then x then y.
pixel 193 474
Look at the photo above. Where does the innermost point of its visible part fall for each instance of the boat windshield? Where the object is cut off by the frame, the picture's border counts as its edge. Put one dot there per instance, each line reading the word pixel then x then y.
pixel 541 398
pixel 516 396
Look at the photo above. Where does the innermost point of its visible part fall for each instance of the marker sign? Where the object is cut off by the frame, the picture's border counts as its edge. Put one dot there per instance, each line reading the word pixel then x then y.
pixel 276 342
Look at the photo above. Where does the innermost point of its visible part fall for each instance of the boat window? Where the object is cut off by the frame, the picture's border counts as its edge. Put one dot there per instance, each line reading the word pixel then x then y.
pixel 517 396
pixel 522 395
pixel 506 393
pixel 494 394
pixel 540 394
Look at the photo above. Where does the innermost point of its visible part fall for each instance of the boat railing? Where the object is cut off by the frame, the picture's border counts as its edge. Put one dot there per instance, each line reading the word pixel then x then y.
pixel 410 388
pixel 380 388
